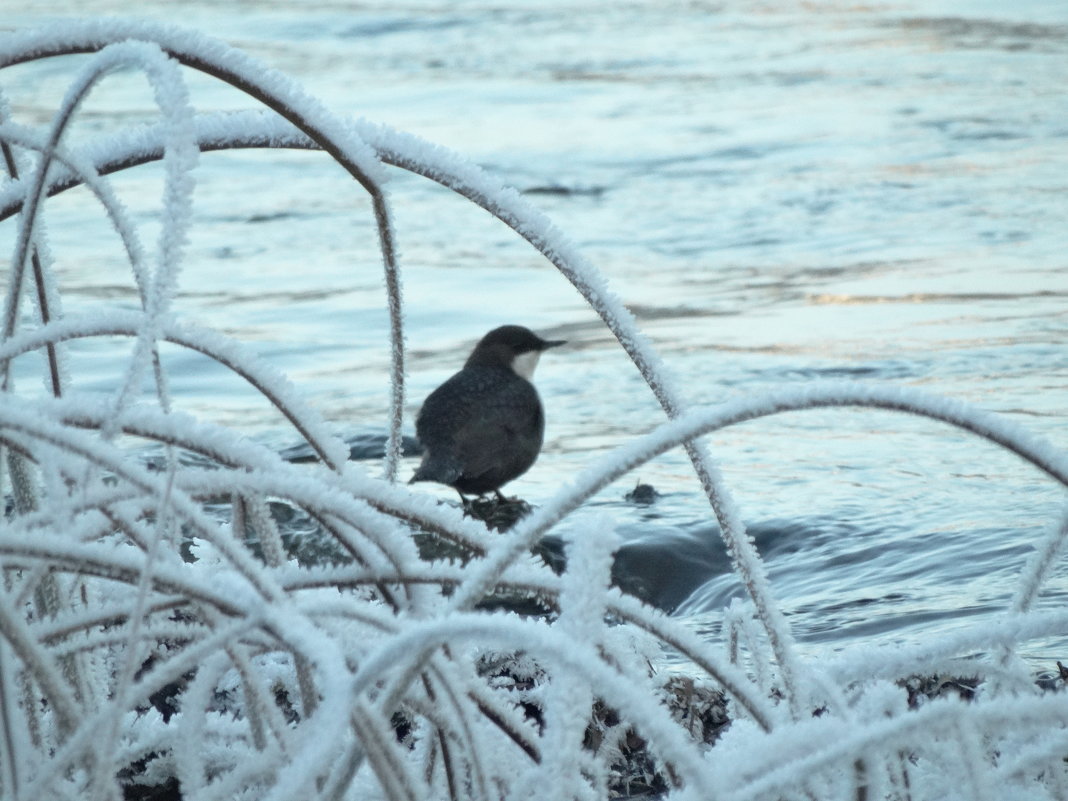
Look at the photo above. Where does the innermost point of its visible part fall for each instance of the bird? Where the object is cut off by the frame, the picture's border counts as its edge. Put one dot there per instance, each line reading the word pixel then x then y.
pixel 484 426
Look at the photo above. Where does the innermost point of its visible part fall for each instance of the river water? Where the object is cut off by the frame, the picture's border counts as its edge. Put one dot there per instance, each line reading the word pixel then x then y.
pixel 783 192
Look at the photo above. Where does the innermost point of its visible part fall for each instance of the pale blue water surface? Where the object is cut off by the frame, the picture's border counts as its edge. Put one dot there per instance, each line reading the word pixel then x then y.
pixel 782 192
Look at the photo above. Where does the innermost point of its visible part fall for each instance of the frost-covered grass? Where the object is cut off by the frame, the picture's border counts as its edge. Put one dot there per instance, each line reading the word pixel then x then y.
pixel 242 674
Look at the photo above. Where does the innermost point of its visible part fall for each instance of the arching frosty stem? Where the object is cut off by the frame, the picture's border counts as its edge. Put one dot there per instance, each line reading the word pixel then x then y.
pixel 282 96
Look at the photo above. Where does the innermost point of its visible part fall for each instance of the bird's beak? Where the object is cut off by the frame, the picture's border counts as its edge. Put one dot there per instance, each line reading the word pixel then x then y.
pixel 552 343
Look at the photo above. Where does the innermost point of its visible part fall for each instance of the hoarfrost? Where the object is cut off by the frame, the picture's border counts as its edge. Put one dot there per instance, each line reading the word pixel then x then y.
pixel 190 658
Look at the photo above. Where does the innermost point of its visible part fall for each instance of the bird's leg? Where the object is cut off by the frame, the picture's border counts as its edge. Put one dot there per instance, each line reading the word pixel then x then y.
pixel 500 498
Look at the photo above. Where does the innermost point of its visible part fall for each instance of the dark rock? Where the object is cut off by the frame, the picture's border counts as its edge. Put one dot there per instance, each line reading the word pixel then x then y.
pixel 643 494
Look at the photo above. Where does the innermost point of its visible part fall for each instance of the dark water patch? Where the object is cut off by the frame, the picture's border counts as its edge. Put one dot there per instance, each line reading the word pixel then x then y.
pixel 631 67
pixel 372 27
pixel 267 216
pixel 951 123
pixel 785 78
pixel 811 556
pixel 665 565
pixel 851 372
pixel 271 216
pixel 978 129
pixel 236 296
pixel 656 74
pixel 751 152
pixel 832 628
pixel 893 597
pixel 966 136
pixel 1005 236
pixel 363 446
pixel 815 206
pixel 660 565
pixel 559 190
pixel 747 243
pixel 650 313
pixel 1014 411
pixel 104 291
pixel 661 165
pixel 967 34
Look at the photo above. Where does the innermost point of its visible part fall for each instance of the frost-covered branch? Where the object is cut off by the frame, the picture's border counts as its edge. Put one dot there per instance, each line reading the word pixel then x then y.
pixel 159 621
pixel 276 92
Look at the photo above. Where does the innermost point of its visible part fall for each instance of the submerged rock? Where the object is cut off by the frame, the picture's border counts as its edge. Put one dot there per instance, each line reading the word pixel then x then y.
pixel 643 494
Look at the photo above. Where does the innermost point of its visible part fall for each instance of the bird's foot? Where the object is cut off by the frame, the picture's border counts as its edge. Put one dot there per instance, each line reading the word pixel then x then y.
pixel 497 512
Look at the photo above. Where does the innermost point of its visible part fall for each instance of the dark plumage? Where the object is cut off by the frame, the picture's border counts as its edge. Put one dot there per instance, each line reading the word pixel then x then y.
pixel 484 426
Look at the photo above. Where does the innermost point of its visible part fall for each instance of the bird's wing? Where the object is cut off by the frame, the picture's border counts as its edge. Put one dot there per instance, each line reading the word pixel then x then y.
pixel 508 423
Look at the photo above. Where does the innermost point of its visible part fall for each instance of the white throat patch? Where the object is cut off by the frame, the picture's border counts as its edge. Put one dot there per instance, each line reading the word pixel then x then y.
pixel 524 363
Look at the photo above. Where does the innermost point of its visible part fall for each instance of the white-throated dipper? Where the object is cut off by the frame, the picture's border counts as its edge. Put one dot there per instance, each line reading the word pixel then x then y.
pixel 484 426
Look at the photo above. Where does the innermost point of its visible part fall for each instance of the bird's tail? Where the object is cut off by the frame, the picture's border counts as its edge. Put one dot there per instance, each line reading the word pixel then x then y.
pixel 439 470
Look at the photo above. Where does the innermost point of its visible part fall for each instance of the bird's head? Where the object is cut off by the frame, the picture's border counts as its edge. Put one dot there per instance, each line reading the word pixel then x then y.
pixel 511 346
